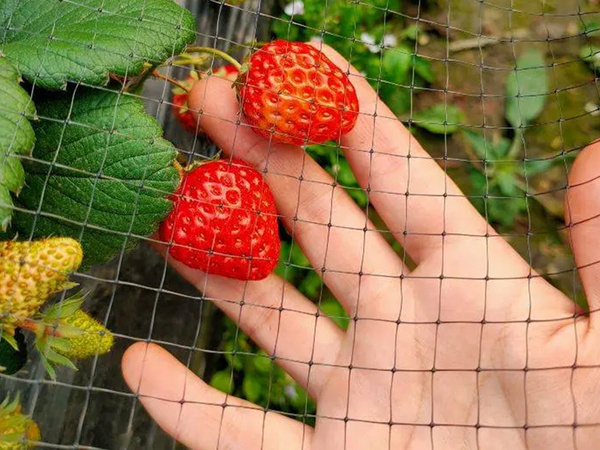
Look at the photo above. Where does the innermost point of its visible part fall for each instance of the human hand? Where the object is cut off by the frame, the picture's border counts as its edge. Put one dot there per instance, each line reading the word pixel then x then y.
pixel 471 349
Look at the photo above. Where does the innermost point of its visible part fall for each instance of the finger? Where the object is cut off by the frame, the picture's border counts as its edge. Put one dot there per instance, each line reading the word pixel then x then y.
pixel 582 215
pixel 408 188
pixel 279 319
pixel 331 229
pixel 199 416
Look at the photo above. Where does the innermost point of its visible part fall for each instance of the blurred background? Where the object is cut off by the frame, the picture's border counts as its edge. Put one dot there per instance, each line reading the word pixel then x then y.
pixel 503 93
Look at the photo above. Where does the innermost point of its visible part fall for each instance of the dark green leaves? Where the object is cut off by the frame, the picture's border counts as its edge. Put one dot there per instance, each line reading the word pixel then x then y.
pixel 102 173
pixel 54 41
pixel 591 55
pixel 13 359
pixel 16 137
pixel 526 89
pixel 485 149
pixel 221 380
pixel 440 119
pixel 397 64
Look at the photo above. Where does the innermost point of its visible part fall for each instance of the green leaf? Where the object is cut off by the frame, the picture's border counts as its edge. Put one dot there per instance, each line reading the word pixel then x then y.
pixel 63 309
pixel 16 137
pixel 359 196
pixel 503 147
pixel 439 119
pixel 591 55
pixel 252 386
pixel 55 41
pixel 12 360
pixel 411 32
pixel 311 284
pixel 591 28
pixel 397 98
pixel 396 64
pixel 298 257
pixel 285 29
pixel 526 89
pixel 262 362
pixel 506 181
pixel 482 147
pixel 424 70
pixel 222 381
pixel 537 166
pixel 232 356
pixel 110 176
pixel 343 173
pixel 335 311
pixel 505 210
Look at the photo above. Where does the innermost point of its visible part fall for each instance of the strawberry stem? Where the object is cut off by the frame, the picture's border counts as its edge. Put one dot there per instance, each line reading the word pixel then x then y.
pixel 39 327
pixel 248 45
pixel 173 81
pixel 217 53
pixel 186 59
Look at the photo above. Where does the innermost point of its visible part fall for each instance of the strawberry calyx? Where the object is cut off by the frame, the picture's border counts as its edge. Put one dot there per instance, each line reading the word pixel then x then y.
pixel 64 332
pixel 186 167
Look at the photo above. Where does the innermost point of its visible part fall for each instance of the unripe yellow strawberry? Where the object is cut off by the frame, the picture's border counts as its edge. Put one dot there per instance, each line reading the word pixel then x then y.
pixel 15 428
pixel 30 272
pixel 87 337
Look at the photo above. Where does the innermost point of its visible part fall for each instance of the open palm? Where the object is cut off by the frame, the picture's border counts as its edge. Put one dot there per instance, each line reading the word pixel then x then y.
pixel 471 349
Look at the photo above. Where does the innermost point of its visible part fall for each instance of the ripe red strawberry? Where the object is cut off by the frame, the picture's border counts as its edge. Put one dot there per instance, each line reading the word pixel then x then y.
pixel 224 221
pixel 180 103
pixel 293 92
pixel 180 97
pixel 229 72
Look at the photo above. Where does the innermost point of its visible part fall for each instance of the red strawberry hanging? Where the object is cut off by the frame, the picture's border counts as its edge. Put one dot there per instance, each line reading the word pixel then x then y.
pixel 294 93
pixel 224 221
pixel 180 96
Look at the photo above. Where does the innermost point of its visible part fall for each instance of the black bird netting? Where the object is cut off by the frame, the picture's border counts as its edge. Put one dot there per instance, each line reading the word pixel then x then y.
pixel 437 280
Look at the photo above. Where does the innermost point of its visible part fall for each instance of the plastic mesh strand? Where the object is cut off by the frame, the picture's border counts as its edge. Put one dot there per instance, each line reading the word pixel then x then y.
pixel 87 390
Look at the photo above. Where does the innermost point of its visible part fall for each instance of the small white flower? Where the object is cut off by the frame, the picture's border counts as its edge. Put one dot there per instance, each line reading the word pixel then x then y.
pixel 295 8
pixel 592 109
pixel 290 391
pixel 369 42
pixel 390 40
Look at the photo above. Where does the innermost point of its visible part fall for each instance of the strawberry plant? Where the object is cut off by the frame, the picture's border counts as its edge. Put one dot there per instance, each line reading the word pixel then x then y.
pixel 498 170
pixel 30 274
pixel 79 158
pixel 90 164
